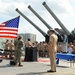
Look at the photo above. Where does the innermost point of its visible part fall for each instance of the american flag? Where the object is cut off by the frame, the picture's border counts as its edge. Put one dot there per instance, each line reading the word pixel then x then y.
pixel 9 29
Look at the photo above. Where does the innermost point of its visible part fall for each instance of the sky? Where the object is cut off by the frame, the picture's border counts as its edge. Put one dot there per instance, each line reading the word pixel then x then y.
pixel 63 9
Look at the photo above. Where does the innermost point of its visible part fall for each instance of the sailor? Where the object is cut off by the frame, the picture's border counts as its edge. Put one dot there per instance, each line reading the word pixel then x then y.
pixel 18 50
pixel 52 48
pixel 28 46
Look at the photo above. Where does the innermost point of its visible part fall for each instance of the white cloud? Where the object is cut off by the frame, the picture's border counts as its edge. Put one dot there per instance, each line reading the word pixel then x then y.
pixel 9 1
pixel 9 8
pixel 62 8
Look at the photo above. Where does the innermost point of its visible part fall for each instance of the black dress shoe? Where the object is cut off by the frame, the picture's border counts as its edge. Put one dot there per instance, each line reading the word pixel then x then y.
pixel 20 65
pixel 51 71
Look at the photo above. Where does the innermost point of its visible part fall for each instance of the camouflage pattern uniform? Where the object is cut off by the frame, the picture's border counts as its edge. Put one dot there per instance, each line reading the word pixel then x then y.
pixel 18 50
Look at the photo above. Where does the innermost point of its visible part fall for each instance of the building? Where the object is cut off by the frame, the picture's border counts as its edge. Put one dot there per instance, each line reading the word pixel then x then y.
pixel 25 37
pixel 28 35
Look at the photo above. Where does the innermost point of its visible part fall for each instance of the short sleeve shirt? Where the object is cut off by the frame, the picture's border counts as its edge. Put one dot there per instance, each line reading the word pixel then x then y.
pixel 53 40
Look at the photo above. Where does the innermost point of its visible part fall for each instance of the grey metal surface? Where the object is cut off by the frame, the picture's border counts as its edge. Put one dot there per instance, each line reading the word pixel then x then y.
pixel 57 20
pixel 42 32
pixel 43 21
pixel 47 25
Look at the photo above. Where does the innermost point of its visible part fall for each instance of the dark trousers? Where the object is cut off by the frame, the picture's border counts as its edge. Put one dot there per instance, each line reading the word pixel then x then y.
pixel 28 54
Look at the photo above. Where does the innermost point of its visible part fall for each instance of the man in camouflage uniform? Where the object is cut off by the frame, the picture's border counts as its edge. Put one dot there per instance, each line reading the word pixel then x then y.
pixel 18 43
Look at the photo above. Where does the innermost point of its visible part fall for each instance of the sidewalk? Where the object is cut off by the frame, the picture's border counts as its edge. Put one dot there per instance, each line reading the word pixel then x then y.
pixel 36 68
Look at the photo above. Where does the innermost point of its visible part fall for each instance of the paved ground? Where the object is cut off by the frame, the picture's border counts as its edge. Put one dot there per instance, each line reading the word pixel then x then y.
pixel 36 68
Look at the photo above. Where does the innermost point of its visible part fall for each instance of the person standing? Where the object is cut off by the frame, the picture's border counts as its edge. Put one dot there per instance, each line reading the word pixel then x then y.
pixel 52 48
pixel 28 46
pixel 73 52
pixel 11 49
pixel 18 43
pixel 7 48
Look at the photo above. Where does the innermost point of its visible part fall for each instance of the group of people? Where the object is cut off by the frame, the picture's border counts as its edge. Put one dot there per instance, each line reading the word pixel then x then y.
pixel 9 48
pixel 16 47
pixel 70 48
pixel 52 47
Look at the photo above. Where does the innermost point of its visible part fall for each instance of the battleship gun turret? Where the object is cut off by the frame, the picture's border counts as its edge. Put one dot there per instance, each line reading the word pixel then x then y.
pixel 42 32
pixel 66 31
pixel 60 38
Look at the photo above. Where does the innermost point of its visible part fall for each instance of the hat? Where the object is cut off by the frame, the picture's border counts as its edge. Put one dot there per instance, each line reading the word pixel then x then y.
pixel 51 30
pixel 20 37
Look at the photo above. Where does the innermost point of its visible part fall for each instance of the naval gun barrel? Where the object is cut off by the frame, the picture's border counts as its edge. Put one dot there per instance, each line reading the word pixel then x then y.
pixel 57 20
pixel 47 25
pixel 43 33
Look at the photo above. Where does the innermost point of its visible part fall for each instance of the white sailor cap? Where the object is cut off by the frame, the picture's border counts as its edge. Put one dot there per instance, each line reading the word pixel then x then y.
pixel 51 30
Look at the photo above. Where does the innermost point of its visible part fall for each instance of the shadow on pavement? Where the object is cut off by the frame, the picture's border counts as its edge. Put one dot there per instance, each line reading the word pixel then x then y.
pixel 40 73
pixel 25 74
pixel 36 73
pixel 61 66
pixel 7 65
